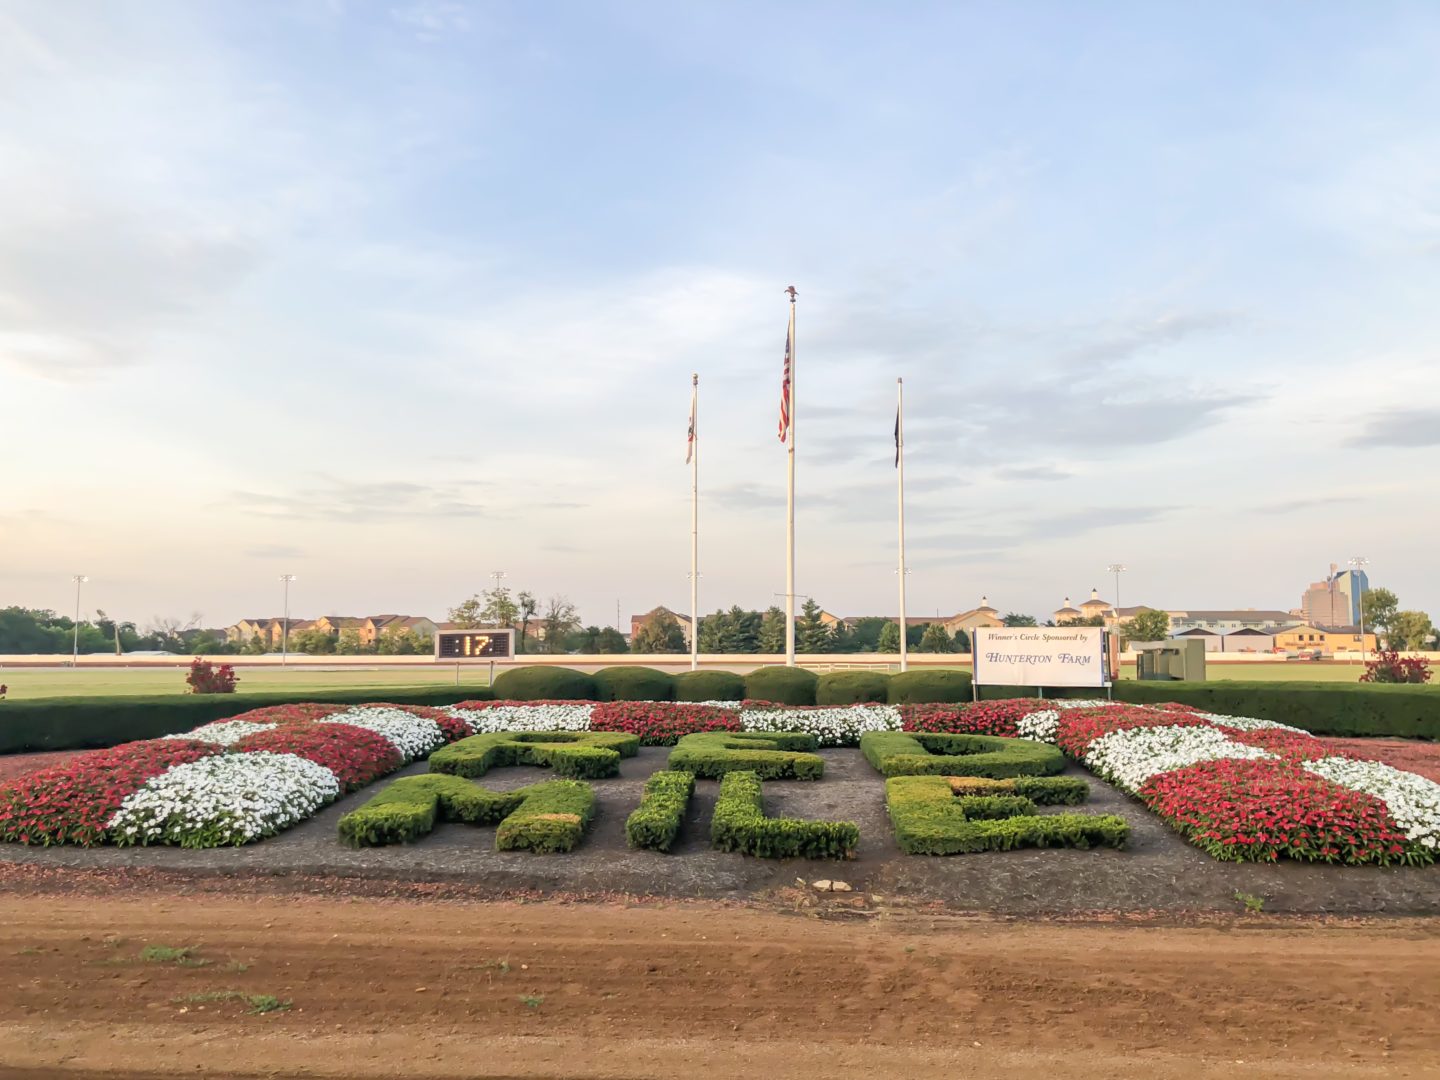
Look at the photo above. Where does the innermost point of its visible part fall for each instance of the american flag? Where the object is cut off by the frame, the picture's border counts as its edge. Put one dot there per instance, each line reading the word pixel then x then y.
pixel 785 392
pixel 690 437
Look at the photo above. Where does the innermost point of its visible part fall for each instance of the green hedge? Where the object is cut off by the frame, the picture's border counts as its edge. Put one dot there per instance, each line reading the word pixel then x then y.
pixel 927 687
pixel 657 820
pixel 851 688
pixel 782 685
pixel 633 684
pixel 770 755
pixel 85 723
pixel 580 754
pixel 709 686
pixel 903 753
pixel 1044 790
pixel 541 682
pixel 739 824
pixel 930 819
pixel 1343 709
pixel 546 817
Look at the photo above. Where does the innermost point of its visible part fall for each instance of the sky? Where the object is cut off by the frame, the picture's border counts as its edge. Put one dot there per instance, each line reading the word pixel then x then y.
pixel 392 295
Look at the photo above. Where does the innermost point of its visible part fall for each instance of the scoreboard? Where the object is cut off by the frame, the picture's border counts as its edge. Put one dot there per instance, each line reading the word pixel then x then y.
pixel 474 644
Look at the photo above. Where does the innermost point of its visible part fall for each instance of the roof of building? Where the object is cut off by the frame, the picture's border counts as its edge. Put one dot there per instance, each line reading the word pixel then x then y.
pixel 1234 615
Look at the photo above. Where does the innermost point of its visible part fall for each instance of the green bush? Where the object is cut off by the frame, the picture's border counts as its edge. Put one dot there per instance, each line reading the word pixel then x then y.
pixel 709 686
pixel 770 755
pixel 540 682
pixel 740 824
pixel 851 687
pixel 657 820
pixel 1341 709
pixel 581 754
pixel 930 819
pixel 782 685
pixel 929 687
pixel 84 723
pixel 1044 790
pixel 904 753
pixel 546 817
pixel 633 684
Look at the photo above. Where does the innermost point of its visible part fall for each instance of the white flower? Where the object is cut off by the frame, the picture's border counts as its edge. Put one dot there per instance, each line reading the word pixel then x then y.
pixel 523 717
pixel 1083 703
pixel 414 736
pixel 841 725
pixel 225 799
pixel 1247 723
pixel 1413 800
pixel 223 732
pixel 1129 758
pixel 1042 726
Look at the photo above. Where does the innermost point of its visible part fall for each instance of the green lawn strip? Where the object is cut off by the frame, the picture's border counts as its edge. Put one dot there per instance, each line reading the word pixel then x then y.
pixel 740 824
pixel 770 755
pixel 902 753
pixel 655 823
pixel 545 817
pixel 584 755
pixel 930 819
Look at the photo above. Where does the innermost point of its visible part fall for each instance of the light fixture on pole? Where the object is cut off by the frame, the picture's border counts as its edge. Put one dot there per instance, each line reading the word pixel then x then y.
pixel 497 576
pixel 1117 569
pixel 285 622
pixel 1357 567
pixel 78 579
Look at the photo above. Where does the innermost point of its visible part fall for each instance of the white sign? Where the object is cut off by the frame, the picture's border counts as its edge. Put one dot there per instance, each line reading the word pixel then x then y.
pixel 1040 656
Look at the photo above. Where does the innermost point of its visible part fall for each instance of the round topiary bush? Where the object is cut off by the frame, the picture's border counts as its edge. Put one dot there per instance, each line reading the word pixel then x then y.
pixel 709 686
pixel 924 687
pixel 543 683
pixel 633 684
pixel 851 687
pixel 783 685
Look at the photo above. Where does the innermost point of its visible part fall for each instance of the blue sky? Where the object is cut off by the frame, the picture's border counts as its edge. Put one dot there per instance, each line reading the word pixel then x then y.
pixel 389 295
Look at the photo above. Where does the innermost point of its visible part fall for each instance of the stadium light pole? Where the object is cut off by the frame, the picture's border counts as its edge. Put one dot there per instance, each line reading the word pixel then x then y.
pixel 78 579
pixel 285 622
pixel 1358 564
pixel 1117 569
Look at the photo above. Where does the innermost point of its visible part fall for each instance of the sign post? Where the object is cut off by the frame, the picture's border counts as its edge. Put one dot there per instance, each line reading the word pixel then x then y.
pixel 475 646
pixel 1040 656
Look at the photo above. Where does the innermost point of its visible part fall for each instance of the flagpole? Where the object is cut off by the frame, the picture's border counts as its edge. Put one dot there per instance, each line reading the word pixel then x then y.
pixel 900 470
pixel 695 522
pixel 790 503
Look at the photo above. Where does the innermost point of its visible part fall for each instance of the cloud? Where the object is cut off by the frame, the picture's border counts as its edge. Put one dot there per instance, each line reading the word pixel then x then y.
pixel 746 496
pixel 1075 522
pixel 432 20
pixel 333 499
pixel 274 551
pixel 1293 505
pixel 1400 427
pixel 1032 472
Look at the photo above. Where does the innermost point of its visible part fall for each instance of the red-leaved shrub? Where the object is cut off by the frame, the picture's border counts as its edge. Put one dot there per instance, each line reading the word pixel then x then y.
pixel 1390 667
pixel 206 678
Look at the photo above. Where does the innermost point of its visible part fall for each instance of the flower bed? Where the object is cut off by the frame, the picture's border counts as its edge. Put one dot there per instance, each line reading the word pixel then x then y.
pixel 354 754
pixel 662 723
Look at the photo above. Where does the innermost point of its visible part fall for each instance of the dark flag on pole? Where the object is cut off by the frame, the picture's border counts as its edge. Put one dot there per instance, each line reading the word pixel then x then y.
pixel 785 392
pixel 897 438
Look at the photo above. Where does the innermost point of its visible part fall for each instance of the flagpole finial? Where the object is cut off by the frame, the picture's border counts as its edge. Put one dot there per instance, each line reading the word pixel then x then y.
pixel 695 379
pixel 791 290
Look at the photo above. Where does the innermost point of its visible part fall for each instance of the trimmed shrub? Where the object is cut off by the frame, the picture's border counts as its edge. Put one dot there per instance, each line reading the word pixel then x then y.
pixel 657 820
pixel 546 817
pixel 929 687
pixel 904 753
pixel 931 819
pixel 540 682
pixel 740 824
pixel 709 686
pixel 1042 790
pixel 632 684
pixel 771 755
pixel 88 722
pixel 851 688
pixel 581 754
pixel 782 685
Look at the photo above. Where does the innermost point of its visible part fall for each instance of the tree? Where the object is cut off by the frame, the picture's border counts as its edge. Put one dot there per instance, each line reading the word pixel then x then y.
pixel 889 640
pixel 525 608
pixel 499 609
pixel 862 635
pixel 1380 607
pixel 313 642
pixel 1411 631
pixel 559 621
pixel 772 631
pixel 348 644
pixel 662 634
pixel 255 646
pixel 811 633
pixel 1146 625
pixel 1014 618
pixel 935 639
pixel 733 631
pixel 468 615
pixel 961 640
pixel 610 640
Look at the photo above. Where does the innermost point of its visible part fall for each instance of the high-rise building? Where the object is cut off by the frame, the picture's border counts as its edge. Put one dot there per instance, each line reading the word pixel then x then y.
pixel 1336 600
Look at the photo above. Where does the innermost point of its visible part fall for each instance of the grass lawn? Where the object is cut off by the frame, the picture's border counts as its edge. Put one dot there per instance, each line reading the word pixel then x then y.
pixel 29 683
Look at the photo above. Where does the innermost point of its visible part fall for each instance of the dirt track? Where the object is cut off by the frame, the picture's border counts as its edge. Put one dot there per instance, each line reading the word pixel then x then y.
pixel 389 989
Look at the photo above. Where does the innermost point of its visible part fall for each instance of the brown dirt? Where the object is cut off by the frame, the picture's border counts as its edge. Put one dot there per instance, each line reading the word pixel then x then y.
pixel 462 989
pixel 12 765
pixel 1408 754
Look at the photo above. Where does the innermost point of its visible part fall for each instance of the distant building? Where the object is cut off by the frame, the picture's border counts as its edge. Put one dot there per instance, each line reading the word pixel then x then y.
pixel 1336 600
pixel 1227 620
pixel 1324 639
pixel 638 622
pixel 1067 613
pixel 1095 606
pixel 982 616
